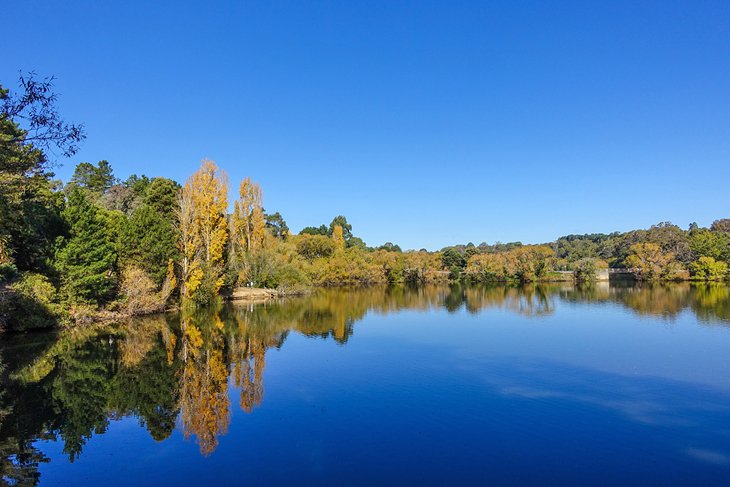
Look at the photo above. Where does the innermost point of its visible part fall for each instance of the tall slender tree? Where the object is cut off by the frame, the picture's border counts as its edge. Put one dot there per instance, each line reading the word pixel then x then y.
pixel 248 217
pixel 189 252
pixel 204 229
pixel 338 237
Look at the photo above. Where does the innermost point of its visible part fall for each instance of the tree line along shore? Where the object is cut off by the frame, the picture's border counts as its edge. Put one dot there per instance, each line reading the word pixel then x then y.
pixel 99 247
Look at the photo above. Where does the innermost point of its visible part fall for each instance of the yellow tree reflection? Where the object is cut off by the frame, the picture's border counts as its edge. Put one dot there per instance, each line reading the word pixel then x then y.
pixel 204 403
pixel 248 373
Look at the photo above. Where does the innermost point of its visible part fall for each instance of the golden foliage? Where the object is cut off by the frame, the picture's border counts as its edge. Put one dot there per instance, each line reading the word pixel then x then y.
pixel 139 290
pixel 170 282
pixel 189 251
pixel 248 217
pixel 203 227
pixel 649 262
pixel 338 237
pixel 209 186
pixel 525 263
pixel 140 337
pixel 204 403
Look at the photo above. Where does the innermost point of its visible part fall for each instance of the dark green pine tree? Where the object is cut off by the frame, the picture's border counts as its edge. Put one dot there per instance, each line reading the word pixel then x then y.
pixel 87 261
pixel 149 238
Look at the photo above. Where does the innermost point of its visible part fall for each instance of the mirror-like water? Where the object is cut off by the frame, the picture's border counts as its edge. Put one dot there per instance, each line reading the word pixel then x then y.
pixel 437 386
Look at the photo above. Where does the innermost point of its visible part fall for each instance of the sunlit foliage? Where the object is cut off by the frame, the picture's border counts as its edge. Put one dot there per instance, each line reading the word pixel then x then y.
pixel 708 269
pixel 203 231
pixel 650 262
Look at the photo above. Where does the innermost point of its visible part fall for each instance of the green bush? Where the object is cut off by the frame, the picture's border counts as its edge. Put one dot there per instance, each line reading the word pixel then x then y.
pixel 708 269
pixel 288 277
pixel 7 272
pixel 585 269
pixel 31 303
pixel 315 246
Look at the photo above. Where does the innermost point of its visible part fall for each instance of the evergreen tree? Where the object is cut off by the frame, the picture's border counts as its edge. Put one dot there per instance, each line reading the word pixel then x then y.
pixel 29 203
pixel 97 178
pixel 149 238
pixel 276 225
pixel 87 261
pixel 149 241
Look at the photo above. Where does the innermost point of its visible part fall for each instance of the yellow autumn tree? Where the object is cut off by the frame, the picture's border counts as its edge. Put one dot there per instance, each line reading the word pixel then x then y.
pixel 203 230
pixel 247 231
pixel 338 237
pixel 190 272
pixel 649 261
pixel 248 217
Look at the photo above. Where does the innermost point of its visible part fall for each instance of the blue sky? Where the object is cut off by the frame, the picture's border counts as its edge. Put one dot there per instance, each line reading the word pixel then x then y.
pixel 425 123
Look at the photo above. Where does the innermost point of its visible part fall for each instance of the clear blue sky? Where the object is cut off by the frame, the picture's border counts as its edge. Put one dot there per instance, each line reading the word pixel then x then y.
pixel 425 123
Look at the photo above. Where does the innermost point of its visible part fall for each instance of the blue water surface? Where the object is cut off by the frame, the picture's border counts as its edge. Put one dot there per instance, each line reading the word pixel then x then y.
pixel 437 386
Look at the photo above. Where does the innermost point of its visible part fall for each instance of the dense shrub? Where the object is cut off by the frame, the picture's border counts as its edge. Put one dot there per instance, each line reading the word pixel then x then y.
pixel 708 269
pixel 7 272
pixel 31 303
pixel 315 246
pixel 587 268
pixel 526 263
pixel 649 261
pixel 139 292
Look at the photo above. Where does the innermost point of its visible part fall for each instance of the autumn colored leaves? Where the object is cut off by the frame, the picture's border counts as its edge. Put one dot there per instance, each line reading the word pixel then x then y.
pixel 206 231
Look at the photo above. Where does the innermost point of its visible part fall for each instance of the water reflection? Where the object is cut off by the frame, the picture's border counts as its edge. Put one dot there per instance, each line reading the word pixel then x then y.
pixel 528 300
pixel 710 302
pixel 176 369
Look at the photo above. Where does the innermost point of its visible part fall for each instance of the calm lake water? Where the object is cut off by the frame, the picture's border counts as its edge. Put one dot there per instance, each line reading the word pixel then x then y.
pixel 551 385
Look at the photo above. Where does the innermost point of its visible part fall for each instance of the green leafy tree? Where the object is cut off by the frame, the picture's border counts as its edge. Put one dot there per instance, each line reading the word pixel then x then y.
pixel 29 203
pixel 276 225
pixel 390 247
pixel 30 220
pixel 671 239
pixel 454 261
pixel 705 243
pixel 87 260
pixel 356 243
pixel 31 303
pixel 586 269
pixel 149 238
pixel 149 241
pixel 320 230
pixel 708 269
pixel 341 221
pixel 96 179
pixel 161 194
pixel 314 246
pixel 649 261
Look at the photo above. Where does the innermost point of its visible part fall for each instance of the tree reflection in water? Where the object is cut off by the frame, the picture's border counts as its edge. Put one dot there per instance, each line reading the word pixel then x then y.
pixel 175 368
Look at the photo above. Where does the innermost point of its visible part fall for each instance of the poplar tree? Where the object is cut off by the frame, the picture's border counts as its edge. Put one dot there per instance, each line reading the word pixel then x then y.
pixel 204 230
pixel 248 225
pixel 338 238
pixel 248 217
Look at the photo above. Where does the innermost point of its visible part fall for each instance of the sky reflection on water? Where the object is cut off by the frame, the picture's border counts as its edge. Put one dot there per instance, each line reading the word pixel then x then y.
pixel 455 386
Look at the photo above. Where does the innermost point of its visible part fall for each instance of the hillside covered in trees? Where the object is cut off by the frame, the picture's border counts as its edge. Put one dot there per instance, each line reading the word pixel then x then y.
pixel 100 246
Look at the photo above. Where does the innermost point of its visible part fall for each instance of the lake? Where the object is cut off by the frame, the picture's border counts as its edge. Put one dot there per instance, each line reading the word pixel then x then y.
pixel 542 384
